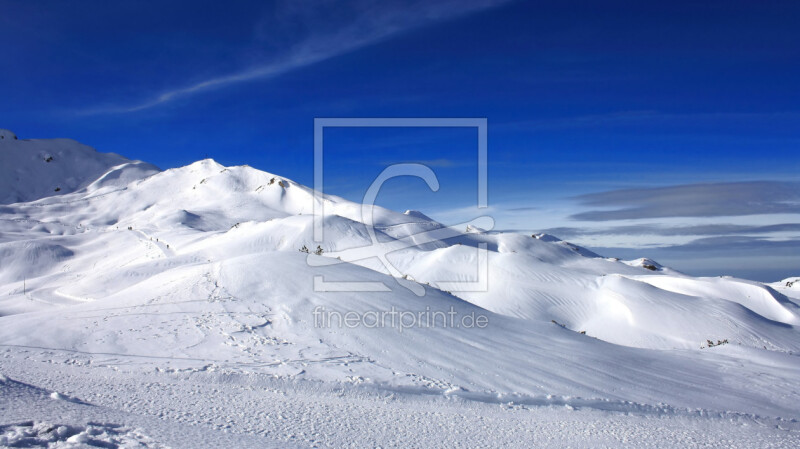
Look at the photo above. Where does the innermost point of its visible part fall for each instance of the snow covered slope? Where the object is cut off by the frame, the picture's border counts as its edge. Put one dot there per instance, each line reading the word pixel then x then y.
pixel 209 212
pixel 37 168
pixel 198 270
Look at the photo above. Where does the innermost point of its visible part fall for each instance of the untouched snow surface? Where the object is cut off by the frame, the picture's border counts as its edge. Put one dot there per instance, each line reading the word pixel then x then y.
pixel 174 308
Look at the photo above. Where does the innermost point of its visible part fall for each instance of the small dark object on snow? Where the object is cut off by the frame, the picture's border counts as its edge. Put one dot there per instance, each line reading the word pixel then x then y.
pixel 711 344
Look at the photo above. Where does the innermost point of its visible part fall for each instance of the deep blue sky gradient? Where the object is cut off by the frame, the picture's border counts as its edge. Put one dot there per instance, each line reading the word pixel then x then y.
pixel 581 97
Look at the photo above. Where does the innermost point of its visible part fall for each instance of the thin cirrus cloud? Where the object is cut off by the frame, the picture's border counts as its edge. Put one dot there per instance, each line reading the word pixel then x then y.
pixel 720 246
pixel 691 230
pixel 692 200
pixel 322 30
pixel 766 260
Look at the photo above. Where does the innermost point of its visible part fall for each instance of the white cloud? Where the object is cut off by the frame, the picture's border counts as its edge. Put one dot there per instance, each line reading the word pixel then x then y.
pixel 312 32
pixel 694 200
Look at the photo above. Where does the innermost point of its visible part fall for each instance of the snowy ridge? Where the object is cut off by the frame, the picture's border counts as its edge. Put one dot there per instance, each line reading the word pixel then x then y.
pixel 38 168
pixel 197 271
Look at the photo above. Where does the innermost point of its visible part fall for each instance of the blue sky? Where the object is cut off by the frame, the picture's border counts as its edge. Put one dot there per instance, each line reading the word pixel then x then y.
pixel 683 117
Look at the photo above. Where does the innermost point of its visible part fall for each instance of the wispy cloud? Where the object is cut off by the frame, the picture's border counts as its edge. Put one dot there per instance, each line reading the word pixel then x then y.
pixel 733 243
pixel 312 32
pixel 716 229
pixel 747 257
pixel 693 200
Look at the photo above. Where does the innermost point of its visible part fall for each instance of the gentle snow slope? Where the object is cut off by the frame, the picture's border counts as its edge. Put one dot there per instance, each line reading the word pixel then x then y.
pixel 37 168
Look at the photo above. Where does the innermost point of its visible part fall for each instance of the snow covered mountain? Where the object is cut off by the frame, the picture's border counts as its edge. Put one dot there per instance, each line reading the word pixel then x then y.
pixel 36 168
pixel 197 270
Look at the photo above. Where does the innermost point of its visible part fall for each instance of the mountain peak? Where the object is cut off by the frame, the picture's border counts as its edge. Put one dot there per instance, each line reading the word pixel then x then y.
pixel 417 214
pixel 37 168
